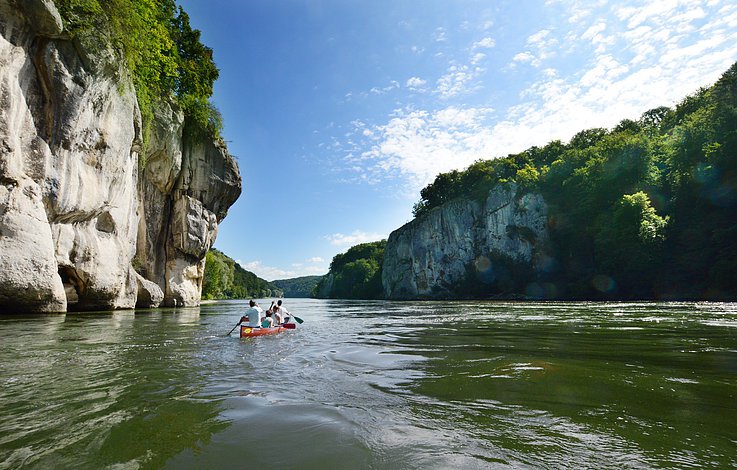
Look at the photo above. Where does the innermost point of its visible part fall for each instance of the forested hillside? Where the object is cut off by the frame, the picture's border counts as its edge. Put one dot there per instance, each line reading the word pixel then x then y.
pixel 355 274
pixel 644 210
pixel 298 286
pixel 226 279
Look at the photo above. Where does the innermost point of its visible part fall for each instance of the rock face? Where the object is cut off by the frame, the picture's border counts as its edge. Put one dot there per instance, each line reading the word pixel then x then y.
pixel 434 255
pixel 326 287
pixel 81 226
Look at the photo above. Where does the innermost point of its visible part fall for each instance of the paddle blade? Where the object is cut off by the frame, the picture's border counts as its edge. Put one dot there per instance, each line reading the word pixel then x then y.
pixel 290 326
pixel 297 319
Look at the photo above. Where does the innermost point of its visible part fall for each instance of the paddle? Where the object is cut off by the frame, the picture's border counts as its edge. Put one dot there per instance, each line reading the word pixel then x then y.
pixel 296 318
pixel 236 326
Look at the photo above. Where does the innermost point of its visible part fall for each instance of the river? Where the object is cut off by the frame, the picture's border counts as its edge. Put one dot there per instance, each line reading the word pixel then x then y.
pixel 375 385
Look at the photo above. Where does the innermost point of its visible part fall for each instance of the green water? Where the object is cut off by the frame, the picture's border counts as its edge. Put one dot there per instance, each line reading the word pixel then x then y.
pixel 374 385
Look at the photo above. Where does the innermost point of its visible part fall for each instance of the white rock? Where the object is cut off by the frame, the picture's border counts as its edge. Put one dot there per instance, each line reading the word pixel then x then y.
pixel 434 255
pixel 75 215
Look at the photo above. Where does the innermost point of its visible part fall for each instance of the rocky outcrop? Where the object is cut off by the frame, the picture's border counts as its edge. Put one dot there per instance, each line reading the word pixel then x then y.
pixel 188 184
pixel 81 225
pixel 463 242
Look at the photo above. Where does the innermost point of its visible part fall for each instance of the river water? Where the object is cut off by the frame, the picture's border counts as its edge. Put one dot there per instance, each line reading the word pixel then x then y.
pixel 380 385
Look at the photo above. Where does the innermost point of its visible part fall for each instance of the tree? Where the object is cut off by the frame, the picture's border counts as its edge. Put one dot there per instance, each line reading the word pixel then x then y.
pixel 629 243
pixel 587 138
pixel 217 276
pixel 356 274
pixel 653 118
pixel 226 279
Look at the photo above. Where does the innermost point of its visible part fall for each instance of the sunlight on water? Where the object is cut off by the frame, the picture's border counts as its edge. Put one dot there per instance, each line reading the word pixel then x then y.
pixel 374 385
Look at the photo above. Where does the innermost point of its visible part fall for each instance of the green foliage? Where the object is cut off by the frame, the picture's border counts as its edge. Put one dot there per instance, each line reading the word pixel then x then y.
pixel 202 117
pixel 648 205
pixel 218 275
pixel 528 177
pixel 226 279
pixel 298 286
pixel 80 15
pixel 629 243
pixel 356 274
pixel 162 51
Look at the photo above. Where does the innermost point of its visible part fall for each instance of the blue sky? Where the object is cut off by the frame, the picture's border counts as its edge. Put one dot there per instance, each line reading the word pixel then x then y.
pixel 340 111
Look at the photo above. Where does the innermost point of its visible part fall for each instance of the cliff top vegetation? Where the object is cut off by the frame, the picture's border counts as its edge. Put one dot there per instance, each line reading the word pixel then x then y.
pixel 162 51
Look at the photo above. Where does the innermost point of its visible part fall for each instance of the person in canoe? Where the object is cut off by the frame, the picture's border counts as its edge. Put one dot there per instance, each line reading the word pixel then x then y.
pixel 282 312
pixel 268 319
pixel 252 316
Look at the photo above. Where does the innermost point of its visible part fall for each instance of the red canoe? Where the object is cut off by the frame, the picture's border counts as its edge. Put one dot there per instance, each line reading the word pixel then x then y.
pixel 247 331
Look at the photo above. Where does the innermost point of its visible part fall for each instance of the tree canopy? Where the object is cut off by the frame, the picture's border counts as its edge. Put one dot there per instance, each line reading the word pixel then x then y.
pixel 355 274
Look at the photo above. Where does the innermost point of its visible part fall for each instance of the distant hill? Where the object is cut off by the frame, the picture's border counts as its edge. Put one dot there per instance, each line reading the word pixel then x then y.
pixel 298 286
pixel 226 279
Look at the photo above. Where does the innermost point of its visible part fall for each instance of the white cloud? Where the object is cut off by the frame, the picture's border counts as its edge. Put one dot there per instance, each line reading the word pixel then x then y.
pixel 340 239
pixel 267 272
pixel 458 80
pixel 441 35
pixel 393 85
pixel 665 66
pixel 594 31
pixel 523 57
pixel 541 38
pixel 485 43
pixel 271 273
pixel 651 11
pixel 312 270
pixel 477 58
pixel 315 259
pixel 539 46
pixel 461 79
pixel 415 83
pixel 419 144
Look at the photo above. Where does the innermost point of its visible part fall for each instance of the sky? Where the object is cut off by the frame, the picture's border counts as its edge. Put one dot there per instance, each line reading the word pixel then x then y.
pixel 340 111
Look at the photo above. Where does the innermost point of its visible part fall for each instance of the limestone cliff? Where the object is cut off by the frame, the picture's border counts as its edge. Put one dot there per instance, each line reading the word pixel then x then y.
pixel 465 241
pixel 81 225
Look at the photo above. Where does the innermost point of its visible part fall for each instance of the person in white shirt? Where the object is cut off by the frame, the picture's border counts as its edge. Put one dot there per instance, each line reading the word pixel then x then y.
pixel 282 313
pixel 253 315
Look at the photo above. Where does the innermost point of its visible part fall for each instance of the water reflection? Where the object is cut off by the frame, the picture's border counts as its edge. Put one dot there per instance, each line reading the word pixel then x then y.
pixel 94 390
